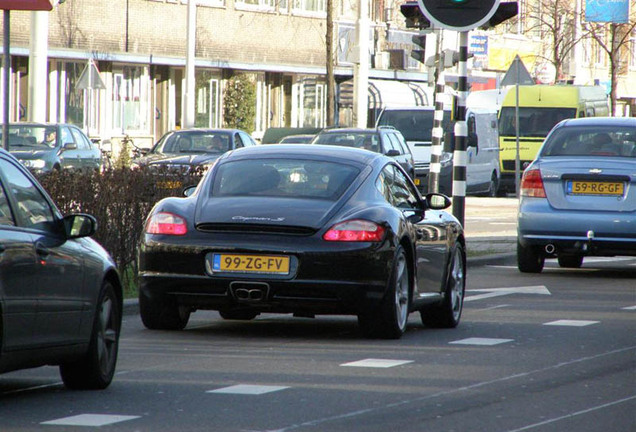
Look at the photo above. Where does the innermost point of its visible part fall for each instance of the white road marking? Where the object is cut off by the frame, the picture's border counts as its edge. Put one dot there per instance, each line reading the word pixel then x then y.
pixel 569 416
pixel 496 292
pixel 571 323
pixel 481 341
pixel 630 308
pixel 91 420
pixel 377 363
pixel 247 389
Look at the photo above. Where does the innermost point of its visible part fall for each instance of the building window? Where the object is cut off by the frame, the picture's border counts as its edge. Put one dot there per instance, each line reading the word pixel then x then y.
pixel 73 98
pixel 632 50
pixel 313 104
pixel 310 5
pixel 131 100
pixel 208 112
pixel 256 4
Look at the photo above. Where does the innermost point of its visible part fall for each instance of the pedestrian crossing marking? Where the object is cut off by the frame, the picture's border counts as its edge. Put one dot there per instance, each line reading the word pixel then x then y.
pixel 247 389
pixel 377 363
pixel 90 420
pixel 571 323
pixel 481 341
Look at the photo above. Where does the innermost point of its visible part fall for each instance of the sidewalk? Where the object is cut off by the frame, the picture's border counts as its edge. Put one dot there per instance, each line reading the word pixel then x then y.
pixel 490 226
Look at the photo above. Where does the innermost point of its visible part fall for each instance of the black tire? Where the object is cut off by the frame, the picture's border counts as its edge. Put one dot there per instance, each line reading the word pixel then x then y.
pixel 161 313
pixel 96 370
pixel 448 313
pixel 242 315
pixel 493 191
pixel 389 320
pixel 570 261
pixel 529 259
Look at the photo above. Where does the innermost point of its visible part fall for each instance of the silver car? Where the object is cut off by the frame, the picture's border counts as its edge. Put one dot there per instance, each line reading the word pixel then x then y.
pixel 578 197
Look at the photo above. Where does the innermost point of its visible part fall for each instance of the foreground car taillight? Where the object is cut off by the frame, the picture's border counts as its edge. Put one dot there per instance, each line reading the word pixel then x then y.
pixel 532 184
pixel 355 231
pixel 166 223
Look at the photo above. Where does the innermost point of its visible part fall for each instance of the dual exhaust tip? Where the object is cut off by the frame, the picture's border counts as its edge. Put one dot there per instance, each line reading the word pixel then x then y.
pixel 550 248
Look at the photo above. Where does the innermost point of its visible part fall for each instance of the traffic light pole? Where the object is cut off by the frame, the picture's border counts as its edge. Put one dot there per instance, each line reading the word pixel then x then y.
pixel 438 130
pixel 461 132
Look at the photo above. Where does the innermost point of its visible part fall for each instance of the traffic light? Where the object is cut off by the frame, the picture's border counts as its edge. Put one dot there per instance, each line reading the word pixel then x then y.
pixel 414 16
pixel 458 15
pixel 419 54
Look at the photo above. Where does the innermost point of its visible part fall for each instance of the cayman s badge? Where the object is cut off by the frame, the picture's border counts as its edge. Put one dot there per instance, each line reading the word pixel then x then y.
pixel 596 171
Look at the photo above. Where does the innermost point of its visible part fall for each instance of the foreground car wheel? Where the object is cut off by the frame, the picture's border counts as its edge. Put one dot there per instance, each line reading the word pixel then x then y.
pixel 570 261
pixel 161 313
pixel 243 315
pixel 96 369
pixel 389 320
pixel 529 259
pixel 449 312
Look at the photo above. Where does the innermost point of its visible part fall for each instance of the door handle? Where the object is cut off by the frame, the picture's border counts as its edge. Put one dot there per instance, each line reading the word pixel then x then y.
pixel 42 250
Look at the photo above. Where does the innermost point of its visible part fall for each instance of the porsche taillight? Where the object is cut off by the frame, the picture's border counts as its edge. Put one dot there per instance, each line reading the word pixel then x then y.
pixel 355 230
pixel 166 223
pixel 532 184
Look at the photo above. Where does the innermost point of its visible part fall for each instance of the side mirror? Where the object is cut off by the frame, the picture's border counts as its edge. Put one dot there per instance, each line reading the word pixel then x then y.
pixel 79 225
pixel 438 201
pixel 189 191
pixel 69 146
pixel 392 153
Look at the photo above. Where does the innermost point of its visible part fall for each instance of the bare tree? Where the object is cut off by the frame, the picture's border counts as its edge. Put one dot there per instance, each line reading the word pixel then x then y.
pixel 614 38
pixel 553 22
pixel 69 18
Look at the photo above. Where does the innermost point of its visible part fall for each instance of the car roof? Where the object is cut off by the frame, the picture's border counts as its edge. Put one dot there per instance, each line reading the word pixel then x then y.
pixel 378 129
pixel 314 151
pixel 600 121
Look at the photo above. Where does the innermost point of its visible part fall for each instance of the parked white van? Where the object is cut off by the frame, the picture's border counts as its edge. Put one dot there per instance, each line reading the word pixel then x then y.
pixel 482 170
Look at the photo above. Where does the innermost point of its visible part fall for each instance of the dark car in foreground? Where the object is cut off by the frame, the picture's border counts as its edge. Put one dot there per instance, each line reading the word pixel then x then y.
pixel 183 149
pixel 60 293
pixel 578 197
pixel 305 230
pixel 44 147
pixel 386 140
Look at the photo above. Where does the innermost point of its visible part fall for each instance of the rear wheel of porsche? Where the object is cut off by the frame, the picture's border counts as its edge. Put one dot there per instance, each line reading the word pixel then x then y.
pixel 389 320
pixel 529 259
pixel 162 313
pixel 570 260
pixel 448 313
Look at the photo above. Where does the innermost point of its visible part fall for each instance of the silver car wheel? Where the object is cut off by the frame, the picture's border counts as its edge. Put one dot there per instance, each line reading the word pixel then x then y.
pixel 106 335
pixel 402 292
pixel 457 284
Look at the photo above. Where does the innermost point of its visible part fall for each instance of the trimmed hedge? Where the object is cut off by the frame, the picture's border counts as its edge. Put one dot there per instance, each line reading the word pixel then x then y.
pixel 120 199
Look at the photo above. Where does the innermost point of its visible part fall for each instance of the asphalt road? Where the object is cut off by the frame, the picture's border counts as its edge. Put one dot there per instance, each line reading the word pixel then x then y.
pixel 548 352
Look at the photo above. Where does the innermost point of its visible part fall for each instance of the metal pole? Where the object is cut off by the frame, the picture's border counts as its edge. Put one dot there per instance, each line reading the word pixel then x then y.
pixel 188 118
pixel 361 68
pixel 438 129
pixel 7 77
pixel 461 132
pixel 38 66
pixel 517 158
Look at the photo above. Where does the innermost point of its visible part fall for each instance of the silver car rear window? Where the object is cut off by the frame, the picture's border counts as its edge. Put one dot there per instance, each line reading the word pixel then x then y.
pixel 291 178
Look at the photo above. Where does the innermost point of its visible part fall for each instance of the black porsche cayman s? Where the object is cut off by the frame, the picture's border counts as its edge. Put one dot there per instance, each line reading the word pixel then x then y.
pixel 306 230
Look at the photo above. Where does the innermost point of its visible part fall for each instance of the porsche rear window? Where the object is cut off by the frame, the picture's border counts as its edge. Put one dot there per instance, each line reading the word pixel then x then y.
pixel 592 141
pixel 283 178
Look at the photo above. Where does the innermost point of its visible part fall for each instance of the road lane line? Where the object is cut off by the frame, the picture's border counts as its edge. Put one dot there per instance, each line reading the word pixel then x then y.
pixel 574 414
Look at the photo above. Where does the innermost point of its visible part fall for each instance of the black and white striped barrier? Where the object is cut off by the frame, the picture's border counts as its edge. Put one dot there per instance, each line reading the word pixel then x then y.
pixel 437 132
pixel 461 132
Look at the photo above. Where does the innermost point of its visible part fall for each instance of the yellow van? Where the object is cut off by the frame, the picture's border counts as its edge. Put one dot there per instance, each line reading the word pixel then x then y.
pixel 540 108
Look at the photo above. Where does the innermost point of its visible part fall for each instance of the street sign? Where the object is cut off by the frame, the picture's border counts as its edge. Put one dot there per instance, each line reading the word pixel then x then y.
pixel 458 15
pixel 90 79
pixel 26 5
pixel 517 74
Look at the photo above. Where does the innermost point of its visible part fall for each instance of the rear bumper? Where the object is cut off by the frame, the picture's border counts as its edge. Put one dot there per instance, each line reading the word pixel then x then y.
pixel 587 233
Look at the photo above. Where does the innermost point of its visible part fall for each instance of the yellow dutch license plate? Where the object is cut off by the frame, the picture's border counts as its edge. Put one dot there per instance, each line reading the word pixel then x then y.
pixel 595 188
pixel 251 263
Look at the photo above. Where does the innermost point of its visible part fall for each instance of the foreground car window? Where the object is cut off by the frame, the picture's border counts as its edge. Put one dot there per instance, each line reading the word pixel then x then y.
pixel 283 178
pixel 588 141
pixel 33 209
